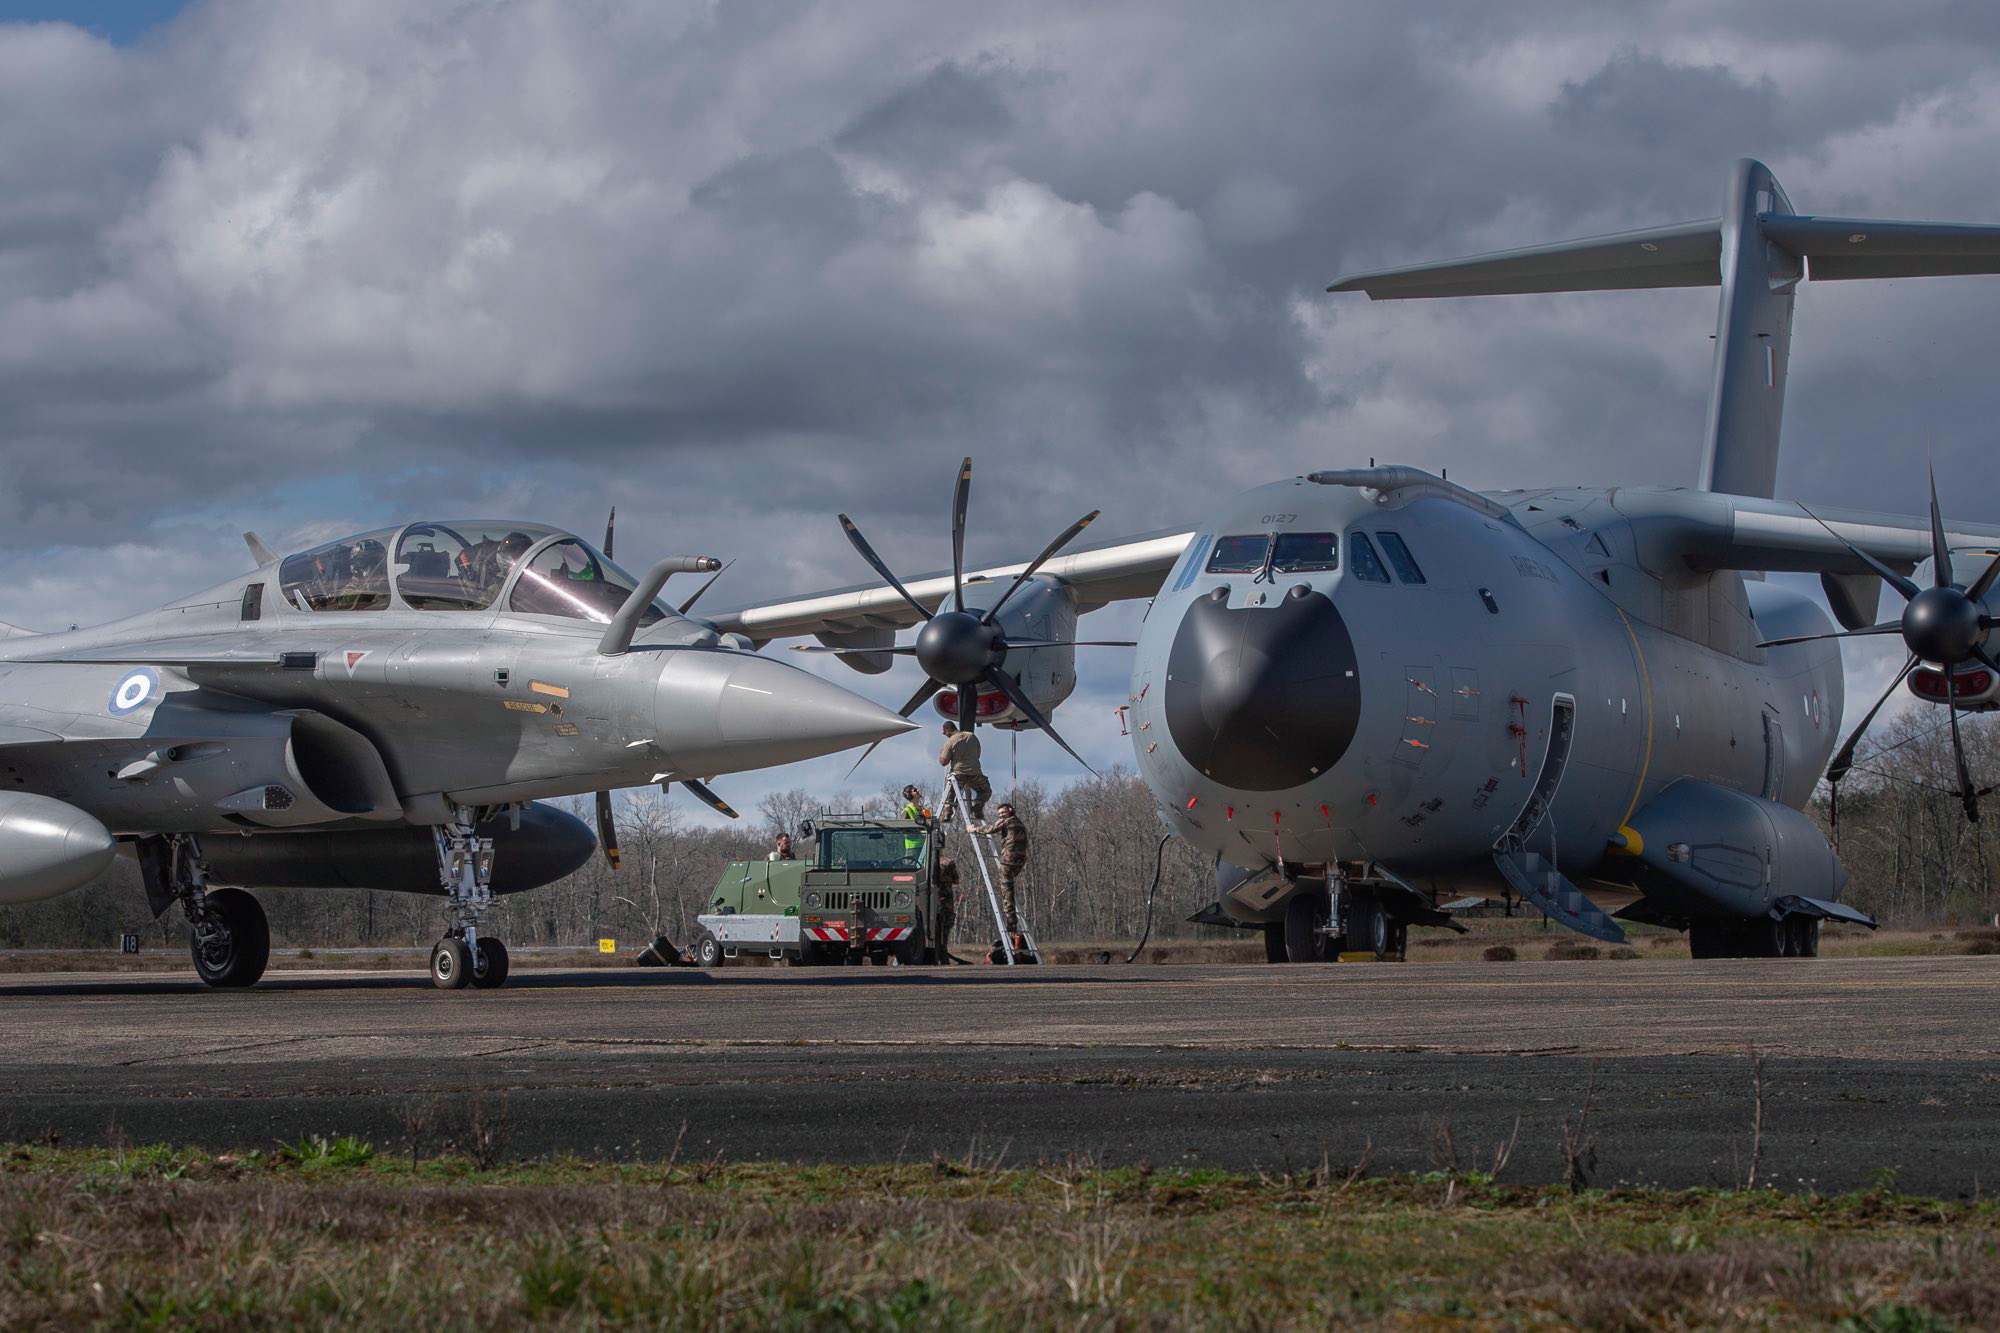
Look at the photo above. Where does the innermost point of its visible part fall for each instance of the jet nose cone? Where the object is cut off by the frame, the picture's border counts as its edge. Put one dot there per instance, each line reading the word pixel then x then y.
pixel 724 712
pixel 1263 700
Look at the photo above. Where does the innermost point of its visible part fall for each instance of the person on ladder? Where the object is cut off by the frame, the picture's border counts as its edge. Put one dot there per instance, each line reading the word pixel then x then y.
pixel 1013 835
pixel 960 757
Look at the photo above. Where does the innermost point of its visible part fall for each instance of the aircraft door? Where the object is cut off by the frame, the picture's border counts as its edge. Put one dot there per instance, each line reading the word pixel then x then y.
pixel 1774 755
pixel 1562 729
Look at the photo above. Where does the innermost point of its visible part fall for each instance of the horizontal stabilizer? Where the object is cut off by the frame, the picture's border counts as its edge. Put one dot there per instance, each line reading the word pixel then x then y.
pixel 1837 248
pixel 1686 254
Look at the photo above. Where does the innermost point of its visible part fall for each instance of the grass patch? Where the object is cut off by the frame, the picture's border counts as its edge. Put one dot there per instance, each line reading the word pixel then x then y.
pixel 330 1231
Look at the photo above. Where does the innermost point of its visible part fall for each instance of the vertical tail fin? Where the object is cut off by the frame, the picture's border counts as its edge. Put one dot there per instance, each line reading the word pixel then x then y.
pixel 1757 252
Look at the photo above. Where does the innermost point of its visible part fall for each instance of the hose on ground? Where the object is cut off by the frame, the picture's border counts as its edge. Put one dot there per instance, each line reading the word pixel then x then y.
pixel 1159 860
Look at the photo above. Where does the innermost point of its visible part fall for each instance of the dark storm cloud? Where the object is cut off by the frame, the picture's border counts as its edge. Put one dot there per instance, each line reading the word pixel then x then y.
pixel 737 266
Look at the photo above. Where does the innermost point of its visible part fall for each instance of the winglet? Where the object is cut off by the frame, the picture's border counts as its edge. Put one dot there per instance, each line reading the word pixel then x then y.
pixel 259 552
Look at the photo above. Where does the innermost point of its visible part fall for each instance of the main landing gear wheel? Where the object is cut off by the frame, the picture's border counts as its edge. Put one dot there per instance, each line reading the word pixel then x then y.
pixel 451 964
pixel 489 964
pixel 707 951
pixel 1274 942
pixel 1305 927
pixel 230 939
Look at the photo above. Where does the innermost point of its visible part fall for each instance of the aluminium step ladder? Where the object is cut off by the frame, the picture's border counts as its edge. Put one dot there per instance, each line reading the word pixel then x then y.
pixel 983 853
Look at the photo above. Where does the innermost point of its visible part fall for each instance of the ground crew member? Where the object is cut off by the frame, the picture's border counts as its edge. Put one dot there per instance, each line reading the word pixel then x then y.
pixel 960 757
pixel 947 908
pixel 913 810
pixel 783 851
pixel 1013 835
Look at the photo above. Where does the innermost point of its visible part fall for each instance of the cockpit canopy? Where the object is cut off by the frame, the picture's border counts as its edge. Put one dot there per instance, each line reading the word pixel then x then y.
pixel 462 565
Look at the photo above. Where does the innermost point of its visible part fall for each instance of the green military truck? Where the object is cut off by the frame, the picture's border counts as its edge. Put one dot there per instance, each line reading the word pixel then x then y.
pixel 868 893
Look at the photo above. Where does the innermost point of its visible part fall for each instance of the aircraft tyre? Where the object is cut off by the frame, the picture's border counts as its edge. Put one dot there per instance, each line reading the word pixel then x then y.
pixel 238 943
pixel 489 968
pixel 1274 942
pixel 1709 939
pixel 1305 927
pixel 1368 926
pixel 707 950
pixel 451 964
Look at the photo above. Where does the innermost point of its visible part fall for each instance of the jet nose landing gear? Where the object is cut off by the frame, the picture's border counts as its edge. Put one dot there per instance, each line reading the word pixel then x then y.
pixel 465 957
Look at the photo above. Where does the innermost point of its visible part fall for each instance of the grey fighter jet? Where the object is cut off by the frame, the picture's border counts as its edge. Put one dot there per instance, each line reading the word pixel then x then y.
pixel 382 711
pixel 1368 692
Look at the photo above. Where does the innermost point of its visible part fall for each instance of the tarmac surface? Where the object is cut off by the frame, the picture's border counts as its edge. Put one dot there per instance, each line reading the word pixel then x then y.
pixel 1870 1066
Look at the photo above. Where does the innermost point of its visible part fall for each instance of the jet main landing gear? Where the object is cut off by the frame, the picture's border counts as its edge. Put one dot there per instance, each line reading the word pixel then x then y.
pixel 228 935
pixel 464 957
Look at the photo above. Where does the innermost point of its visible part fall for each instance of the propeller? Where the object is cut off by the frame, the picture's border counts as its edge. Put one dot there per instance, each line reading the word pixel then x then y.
pixel 1945 623
pixel 962 650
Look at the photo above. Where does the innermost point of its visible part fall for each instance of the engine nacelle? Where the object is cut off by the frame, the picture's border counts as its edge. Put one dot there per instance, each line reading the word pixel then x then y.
pixel 1045 608
pixel 47 847
pixel 1710 851
pixel 549 844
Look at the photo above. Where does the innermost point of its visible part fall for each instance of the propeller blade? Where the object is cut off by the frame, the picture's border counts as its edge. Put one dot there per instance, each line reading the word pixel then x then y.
pixel 1977 592
pixel 860 543
pixel 1887 575
pixel 1015 695
pixel 853 652
pixel 917 701
pixel 1038 562
pixel 1844 760
pixel 1071 643
pixel 706 584
pixel 706 797
pixel 607 829
pixel 1985 660
pixel 1965 791
pixel 960 497
pixel 610 530
pixel 1886 627
pixel 968 707
pixel 1940 553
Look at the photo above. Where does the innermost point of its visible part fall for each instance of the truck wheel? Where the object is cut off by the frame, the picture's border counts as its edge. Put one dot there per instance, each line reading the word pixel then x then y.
pixel 707 951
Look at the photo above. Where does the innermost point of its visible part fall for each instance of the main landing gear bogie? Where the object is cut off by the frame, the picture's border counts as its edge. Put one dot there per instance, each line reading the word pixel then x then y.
pixel 1791 936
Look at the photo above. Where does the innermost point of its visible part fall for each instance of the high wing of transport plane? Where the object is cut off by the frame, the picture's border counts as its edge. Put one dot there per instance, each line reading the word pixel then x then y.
pixel 386 711
pixel 1368 692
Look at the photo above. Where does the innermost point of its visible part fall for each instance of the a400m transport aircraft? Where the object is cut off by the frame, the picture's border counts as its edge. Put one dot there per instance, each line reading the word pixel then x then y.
pixel 383 711
pixel 1369 691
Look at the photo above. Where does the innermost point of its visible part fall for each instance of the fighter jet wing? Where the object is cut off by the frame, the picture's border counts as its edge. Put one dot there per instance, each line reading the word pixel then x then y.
pixel 1114 571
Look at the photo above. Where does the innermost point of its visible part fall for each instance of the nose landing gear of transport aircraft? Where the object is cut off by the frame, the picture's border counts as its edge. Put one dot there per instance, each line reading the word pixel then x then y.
pixel 1309 932
pixel 465 870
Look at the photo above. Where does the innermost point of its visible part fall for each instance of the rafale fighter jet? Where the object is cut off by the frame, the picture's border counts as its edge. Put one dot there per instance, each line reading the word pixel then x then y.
pixel 1368 691
pixel 381 711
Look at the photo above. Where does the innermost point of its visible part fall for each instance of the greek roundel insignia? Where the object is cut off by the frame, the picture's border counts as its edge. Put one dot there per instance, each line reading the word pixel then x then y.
pixel 134 691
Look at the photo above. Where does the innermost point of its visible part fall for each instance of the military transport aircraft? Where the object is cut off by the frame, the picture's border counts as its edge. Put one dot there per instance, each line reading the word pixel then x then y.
pixel 382 711
pixel 1368 691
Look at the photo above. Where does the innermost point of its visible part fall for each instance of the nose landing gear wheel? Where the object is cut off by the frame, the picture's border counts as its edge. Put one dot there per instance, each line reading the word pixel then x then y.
pixel 231 941
pixel 451 964
pixel 1274 942
pixel 489 968
pixel 1305 927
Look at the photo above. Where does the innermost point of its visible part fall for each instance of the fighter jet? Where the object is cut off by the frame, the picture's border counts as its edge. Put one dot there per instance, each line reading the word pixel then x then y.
pixel 1371 693
pixel 386 711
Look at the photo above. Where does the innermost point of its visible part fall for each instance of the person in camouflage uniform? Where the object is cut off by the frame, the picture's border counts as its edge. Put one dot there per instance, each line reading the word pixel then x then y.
pixel 960 755
pixel 947 908
pixel 1013 849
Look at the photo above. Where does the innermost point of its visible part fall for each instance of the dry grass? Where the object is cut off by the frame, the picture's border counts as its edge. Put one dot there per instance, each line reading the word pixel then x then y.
pixel 334 1233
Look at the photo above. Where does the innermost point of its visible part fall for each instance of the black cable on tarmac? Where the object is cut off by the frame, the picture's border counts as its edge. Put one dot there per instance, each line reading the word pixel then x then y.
pixel 1159 859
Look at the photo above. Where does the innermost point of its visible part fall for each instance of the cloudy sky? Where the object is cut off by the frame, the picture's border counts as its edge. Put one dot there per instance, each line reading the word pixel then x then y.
pixel 315 268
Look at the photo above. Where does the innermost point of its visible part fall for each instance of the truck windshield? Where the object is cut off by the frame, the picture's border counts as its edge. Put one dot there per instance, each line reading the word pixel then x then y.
pixel 870 849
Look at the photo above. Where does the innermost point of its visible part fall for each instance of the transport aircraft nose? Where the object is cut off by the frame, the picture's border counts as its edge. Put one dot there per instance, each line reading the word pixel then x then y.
pixel 724 712
pixel 1263 699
